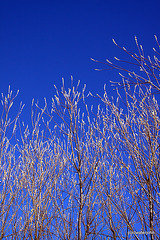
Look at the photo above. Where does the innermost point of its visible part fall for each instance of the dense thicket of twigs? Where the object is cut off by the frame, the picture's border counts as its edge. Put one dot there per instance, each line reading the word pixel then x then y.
pixel 81 173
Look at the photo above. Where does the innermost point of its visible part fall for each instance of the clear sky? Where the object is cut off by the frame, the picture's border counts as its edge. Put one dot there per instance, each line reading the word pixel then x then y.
pixel 43 41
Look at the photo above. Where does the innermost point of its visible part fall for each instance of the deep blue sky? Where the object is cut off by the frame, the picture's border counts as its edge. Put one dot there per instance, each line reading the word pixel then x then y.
pixel 43 41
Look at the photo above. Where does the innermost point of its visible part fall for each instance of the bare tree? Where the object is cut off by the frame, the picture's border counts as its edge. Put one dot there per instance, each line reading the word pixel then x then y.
pixel 134 143
pixel 9 171
pixel 81 215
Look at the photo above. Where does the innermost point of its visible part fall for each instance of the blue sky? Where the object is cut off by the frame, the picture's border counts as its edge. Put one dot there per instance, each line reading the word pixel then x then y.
pixel 43 41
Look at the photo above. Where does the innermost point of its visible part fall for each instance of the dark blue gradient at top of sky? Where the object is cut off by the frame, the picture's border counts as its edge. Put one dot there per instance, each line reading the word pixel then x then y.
pixel 43 41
